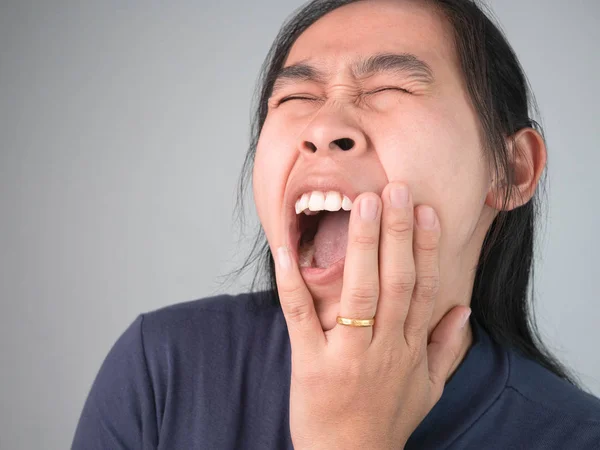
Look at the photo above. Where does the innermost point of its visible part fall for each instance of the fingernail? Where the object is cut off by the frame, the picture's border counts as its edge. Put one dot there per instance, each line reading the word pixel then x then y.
pixel 368 208
pixel 465 319
pixel 283 258
pixel 399 196
pixel 426 217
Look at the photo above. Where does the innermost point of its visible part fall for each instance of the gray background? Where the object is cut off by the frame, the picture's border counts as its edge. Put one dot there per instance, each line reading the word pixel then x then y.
pixel 123 127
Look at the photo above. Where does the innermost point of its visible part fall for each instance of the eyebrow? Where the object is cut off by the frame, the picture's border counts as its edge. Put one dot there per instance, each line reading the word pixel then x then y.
pixel 401 64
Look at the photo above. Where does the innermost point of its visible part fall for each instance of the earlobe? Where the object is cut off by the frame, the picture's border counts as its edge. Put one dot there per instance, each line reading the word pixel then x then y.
pixel 527 156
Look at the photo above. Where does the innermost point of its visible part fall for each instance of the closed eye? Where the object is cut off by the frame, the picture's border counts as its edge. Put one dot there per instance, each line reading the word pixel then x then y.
pixel 285 99
pixel 390 89
pixel 296 97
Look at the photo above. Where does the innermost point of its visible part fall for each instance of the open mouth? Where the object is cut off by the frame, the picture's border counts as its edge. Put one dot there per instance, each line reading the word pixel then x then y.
pixel 322 233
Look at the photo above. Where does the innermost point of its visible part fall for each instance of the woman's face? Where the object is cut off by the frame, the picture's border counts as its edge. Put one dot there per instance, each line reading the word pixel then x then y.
pixel 427 137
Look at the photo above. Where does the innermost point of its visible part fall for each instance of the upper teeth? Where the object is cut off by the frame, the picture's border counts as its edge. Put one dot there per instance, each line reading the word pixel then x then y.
pixel 318 201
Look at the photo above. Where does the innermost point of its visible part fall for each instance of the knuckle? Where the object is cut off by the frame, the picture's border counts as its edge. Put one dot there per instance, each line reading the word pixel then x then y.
pixel 399 230
pixel 294 304
pixel 416 354
pixel 365 293
pixel 364 242
pixel 389 362
pixel 402 283
pixel 298 312
pixel 290 292
pixel 427 286
pixel 426 245
pixel 413 329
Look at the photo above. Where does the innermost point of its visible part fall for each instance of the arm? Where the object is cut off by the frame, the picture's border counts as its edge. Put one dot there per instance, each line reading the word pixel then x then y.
pixel 119 412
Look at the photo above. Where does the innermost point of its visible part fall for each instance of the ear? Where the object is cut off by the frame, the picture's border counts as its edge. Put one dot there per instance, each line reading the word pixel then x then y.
pixel 527 156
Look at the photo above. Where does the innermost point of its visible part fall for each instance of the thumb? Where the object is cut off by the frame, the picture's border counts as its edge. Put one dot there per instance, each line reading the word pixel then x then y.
pixel 444 347
pixel 304 327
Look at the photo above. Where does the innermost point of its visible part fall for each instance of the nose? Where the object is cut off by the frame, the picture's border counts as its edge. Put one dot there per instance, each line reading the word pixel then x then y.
pixel 332 132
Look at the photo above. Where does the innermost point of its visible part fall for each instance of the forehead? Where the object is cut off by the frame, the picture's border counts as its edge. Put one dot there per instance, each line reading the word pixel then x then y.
pixel 376 26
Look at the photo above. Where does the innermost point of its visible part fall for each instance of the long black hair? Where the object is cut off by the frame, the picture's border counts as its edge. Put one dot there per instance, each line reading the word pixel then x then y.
pixel 502 99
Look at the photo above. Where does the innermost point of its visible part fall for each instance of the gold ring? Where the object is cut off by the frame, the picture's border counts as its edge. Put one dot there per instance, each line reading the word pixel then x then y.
pixel 355 322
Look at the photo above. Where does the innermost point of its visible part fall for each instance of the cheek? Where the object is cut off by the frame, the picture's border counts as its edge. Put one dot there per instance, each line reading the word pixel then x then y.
pixel 272 164
pixel 442 160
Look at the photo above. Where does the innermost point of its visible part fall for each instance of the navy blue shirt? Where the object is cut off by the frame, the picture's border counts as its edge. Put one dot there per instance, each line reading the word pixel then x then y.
pixel 214 374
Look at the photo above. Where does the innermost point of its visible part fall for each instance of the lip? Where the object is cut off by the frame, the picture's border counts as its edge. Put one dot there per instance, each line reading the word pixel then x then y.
pixel 319 277
pixel 320 181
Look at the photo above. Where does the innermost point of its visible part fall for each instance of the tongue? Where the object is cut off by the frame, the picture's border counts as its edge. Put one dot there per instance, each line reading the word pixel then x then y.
pixel 331 238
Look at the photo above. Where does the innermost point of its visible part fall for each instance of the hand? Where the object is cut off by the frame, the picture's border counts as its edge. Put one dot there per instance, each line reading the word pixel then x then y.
pixel 370 387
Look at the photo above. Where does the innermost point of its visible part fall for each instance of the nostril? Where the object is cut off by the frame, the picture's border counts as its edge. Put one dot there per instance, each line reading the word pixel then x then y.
pixel 311 146
pixel 344 143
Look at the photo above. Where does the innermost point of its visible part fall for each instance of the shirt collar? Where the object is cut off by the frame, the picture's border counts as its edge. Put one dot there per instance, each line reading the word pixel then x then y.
pixel 475 385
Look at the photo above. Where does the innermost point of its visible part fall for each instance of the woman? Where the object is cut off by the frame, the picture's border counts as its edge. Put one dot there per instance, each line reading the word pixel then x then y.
pixel 395 172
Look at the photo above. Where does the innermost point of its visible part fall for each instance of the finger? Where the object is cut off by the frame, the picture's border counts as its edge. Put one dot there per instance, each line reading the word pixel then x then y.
pixel 360 289
pixel 444 348
pixel 304 326
pixel 426 253
pixel 396 262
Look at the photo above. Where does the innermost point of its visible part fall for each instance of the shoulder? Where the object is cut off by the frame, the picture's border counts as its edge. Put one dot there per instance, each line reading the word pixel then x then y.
pixel 148 382
pixel 547 391
pixel 225 303
pixel 541 404
pixel 209 316
pixel 204 334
